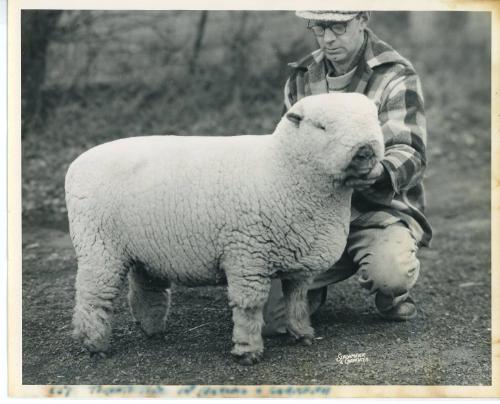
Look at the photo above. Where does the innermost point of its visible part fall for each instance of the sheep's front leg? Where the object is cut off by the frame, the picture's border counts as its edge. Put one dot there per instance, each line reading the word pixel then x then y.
pixel 149 300
pixel 247 296
pixel 298 322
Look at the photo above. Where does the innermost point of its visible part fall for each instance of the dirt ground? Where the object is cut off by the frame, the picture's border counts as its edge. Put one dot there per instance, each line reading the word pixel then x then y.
pixel 448 344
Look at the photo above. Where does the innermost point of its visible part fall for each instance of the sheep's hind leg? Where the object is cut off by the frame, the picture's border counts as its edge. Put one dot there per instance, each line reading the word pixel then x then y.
pixel 98 282
pixel 149 300
pixel 247 297
pixel 298 322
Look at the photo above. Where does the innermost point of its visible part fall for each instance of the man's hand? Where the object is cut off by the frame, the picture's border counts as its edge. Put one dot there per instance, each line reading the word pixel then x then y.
pixel 377 174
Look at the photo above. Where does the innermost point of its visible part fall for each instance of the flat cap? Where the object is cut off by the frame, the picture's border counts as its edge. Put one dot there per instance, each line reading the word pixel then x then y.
pixel 327 15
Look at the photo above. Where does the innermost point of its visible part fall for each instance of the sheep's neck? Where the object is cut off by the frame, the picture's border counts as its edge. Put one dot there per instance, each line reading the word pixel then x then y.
pixel 306 214
pixel 309 191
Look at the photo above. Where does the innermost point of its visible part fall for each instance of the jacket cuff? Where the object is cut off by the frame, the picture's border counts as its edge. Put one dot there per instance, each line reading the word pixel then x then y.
pixel 392 181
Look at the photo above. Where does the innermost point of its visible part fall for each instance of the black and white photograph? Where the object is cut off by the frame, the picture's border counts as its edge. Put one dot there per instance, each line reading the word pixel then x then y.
pixel 217 199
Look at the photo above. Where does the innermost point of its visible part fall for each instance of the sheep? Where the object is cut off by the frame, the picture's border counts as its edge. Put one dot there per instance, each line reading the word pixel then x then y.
pixel 195 210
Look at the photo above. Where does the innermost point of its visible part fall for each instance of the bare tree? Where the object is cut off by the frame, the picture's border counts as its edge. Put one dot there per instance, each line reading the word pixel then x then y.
pixel 37 28
pixel 200 32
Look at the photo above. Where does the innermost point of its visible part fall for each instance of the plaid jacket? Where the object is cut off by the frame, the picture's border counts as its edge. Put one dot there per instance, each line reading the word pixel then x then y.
pixel 391 82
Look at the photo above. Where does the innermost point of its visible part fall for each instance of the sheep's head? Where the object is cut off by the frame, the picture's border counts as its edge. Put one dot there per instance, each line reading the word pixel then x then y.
pixel 339 133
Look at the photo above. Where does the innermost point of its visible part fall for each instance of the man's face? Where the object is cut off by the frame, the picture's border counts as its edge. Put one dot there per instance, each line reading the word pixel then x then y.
pixel 341 48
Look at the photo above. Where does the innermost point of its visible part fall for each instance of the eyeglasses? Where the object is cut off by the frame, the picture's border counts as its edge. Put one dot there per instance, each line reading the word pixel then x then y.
pixel 338 28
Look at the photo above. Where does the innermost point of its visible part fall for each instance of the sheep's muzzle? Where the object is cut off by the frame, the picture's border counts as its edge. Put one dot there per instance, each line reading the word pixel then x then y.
pixel 362 162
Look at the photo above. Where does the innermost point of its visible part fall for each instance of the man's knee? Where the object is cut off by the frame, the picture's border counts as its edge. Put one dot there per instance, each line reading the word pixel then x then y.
pixel 391 265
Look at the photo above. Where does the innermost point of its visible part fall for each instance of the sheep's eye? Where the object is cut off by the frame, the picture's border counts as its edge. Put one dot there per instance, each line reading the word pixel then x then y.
pixel 318 125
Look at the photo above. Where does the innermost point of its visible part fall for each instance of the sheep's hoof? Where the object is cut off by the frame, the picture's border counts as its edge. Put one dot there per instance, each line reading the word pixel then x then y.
pixel 98 355
pixel 152 334
pixel 95 348
pixel 151 330
pixel 249 358
pixel 306 340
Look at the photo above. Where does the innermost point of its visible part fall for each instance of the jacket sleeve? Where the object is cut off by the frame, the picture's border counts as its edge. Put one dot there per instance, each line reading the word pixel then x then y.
pixel 403 123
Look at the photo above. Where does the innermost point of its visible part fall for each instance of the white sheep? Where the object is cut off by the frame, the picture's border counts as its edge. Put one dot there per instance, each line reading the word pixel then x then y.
pixel 197 210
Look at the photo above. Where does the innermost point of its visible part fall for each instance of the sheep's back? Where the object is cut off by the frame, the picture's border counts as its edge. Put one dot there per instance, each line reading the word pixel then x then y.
pixel 166 200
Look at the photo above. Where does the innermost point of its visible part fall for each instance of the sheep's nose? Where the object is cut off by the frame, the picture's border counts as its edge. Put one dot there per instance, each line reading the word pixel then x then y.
pixel 362 162
pixel 364 152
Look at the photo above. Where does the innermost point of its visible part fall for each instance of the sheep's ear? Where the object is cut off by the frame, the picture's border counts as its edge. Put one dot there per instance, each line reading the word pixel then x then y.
pixel 294 118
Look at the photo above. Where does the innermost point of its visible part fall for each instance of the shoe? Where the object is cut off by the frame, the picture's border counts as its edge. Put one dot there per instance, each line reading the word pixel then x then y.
pixel 402 311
